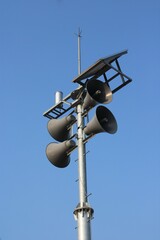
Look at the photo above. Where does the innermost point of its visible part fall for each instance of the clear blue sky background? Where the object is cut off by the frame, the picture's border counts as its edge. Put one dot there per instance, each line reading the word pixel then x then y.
pixel 38 56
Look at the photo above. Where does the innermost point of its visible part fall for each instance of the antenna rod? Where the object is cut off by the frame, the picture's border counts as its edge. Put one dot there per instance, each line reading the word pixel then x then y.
pixel 79 51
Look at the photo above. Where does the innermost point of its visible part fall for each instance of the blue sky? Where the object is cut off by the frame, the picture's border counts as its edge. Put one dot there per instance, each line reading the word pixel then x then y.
pixel 38 56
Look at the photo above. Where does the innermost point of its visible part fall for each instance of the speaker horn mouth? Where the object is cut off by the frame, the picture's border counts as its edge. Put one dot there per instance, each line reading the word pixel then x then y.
pixel 97 92
pixel 100 91
pixel 103 121
pixel 106 119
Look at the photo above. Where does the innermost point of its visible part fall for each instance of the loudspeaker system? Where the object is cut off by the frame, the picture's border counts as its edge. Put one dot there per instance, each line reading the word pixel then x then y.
pixel 103 121
pixel 97 92
pixel 59 129
pixel 58 153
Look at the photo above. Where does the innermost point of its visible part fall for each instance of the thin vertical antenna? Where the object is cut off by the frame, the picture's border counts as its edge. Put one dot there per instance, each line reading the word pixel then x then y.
pixel 79 51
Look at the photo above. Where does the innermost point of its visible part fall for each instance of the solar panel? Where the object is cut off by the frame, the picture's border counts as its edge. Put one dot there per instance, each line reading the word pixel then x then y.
pixel 102 65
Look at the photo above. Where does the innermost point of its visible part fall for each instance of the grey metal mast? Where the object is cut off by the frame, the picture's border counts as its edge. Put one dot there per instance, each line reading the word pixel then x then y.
pixel 83 212
pixel 91 92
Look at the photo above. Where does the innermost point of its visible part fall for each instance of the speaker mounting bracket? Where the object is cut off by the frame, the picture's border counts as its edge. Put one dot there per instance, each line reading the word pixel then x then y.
pixel 67 103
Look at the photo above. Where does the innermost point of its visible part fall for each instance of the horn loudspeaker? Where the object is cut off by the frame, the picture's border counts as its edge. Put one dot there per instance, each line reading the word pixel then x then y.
pixel 59 129
pixel 58 153
pixel 97 92
pixel 103 121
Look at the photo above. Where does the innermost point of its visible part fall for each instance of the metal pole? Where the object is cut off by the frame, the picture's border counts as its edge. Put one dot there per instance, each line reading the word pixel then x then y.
pixel 83 212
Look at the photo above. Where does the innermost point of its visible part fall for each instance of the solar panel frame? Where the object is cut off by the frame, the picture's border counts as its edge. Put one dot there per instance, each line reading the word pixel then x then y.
pixel 102 65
